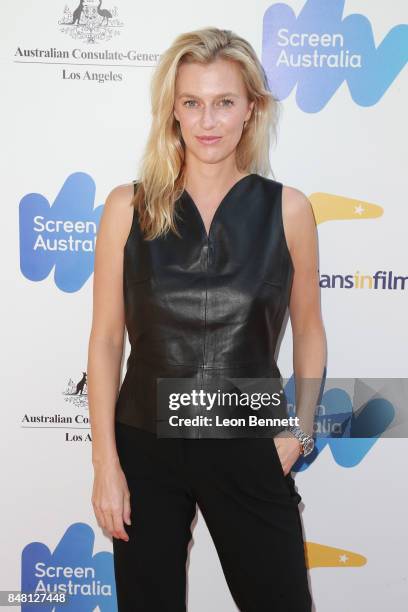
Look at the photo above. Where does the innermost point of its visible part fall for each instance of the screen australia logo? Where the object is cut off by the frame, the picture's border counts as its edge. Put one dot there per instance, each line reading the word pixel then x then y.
pixel 90 21
pixel 84 579
pixel 317 50
pixel 60 235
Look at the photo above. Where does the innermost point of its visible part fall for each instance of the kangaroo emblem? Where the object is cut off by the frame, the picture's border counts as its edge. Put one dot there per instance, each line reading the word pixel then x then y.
pixel 76 15
pixel 81 384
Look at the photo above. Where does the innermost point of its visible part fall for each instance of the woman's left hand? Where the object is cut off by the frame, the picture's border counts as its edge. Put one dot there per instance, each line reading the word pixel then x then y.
pixel 289 449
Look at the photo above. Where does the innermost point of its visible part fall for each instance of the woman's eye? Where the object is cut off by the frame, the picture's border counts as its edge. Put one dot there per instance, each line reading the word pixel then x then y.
pixel 224 102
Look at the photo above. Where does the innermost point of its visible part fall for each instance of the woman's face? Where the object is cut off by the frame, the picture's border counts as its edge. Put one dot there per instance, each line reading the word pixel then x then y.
pixel 211 101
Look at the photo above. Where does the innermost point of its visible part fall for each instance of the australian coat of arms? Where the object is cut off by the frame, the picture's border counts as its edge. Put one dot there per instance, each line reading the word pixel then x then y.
pixel 90 22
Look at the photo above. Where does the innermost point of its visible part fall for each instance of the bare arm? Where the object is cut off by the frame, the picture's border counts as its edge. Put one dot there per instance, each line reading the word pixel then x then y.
pixel 309 338
pixel 107 332
pixel 105 352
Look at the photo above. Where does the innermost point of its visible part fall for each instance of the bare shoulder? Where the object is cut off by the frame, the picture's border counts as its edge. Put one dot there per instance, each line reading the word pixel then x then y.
pixel 119 199
pixel 117 214
pixel 295 203
pixel 297 214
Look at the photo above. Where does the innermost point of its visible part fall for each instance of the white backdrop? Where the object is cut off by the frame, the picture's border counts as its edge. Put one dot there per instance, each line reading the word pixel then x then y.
pixel 59 125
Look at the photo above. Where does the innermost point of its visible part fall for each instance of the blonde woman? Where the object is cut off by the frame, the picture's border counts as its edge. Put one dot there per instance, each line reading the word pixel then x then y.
pixel 199 258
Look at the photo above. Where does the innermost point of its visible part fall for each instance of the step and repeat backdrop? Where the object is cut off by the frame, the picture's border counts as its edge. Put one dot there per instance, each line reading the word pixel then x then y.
pixel 75 119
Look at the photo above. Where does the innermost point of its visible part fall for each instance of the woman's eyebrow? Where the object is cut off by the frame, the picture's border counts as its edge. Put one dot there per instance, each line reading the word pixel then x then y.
pixel 188 95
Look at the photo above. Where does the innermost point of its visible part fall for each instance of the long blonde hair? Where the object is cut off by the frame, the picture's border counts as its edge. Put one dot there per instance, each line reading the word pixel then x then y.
pixel 162 168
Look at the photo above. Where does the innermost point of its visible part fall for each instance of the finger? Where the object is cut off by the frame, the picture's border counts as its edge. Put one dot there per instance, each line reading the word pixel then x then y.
pixel 98 515
pixel 126 509
pixel 119 530
pixel 108 521
pixel 100 519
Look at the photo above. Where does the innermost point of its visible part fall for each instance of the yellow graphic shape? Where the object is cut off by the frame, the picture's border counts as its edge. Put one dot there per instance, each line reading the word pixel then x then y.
pixel 329 207
pixel 319 555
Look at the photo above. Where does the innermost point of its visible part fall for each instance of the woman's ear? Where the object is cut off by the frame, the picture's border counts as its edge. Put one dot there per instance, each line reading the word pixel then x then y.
pixel 251 107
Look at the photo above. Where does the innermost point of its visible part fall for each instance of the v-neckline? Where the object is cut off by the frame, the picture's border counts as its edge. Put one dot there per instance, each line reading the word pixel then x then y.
pixel 217 210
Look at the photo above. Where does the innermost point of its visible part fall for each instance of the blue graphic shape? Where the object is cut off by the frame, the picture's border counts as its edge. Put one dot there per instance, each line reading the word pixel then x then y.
pixel 74 551
pixel 317 84
pixel 73 264
pixel 358 430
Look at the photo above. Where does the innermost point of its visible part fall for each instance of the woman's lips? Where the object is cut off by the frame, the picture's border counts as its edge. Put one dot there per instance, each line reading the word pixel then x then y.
pixel 208 139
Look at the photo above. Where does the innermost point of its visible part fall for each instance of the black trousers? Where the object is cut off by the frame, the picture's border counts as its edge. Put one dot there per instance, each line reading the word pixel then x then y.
pixel 250 508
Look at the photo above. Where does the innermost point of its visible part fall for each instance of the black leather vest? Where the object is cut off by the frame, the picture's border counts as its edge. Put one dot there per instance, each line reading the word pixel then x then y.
pixel 206 306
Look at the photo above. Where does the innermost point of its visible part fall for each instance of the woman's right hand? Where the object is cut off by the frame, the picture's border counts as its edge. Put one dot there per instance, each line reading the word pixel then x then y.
pixel 111 499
